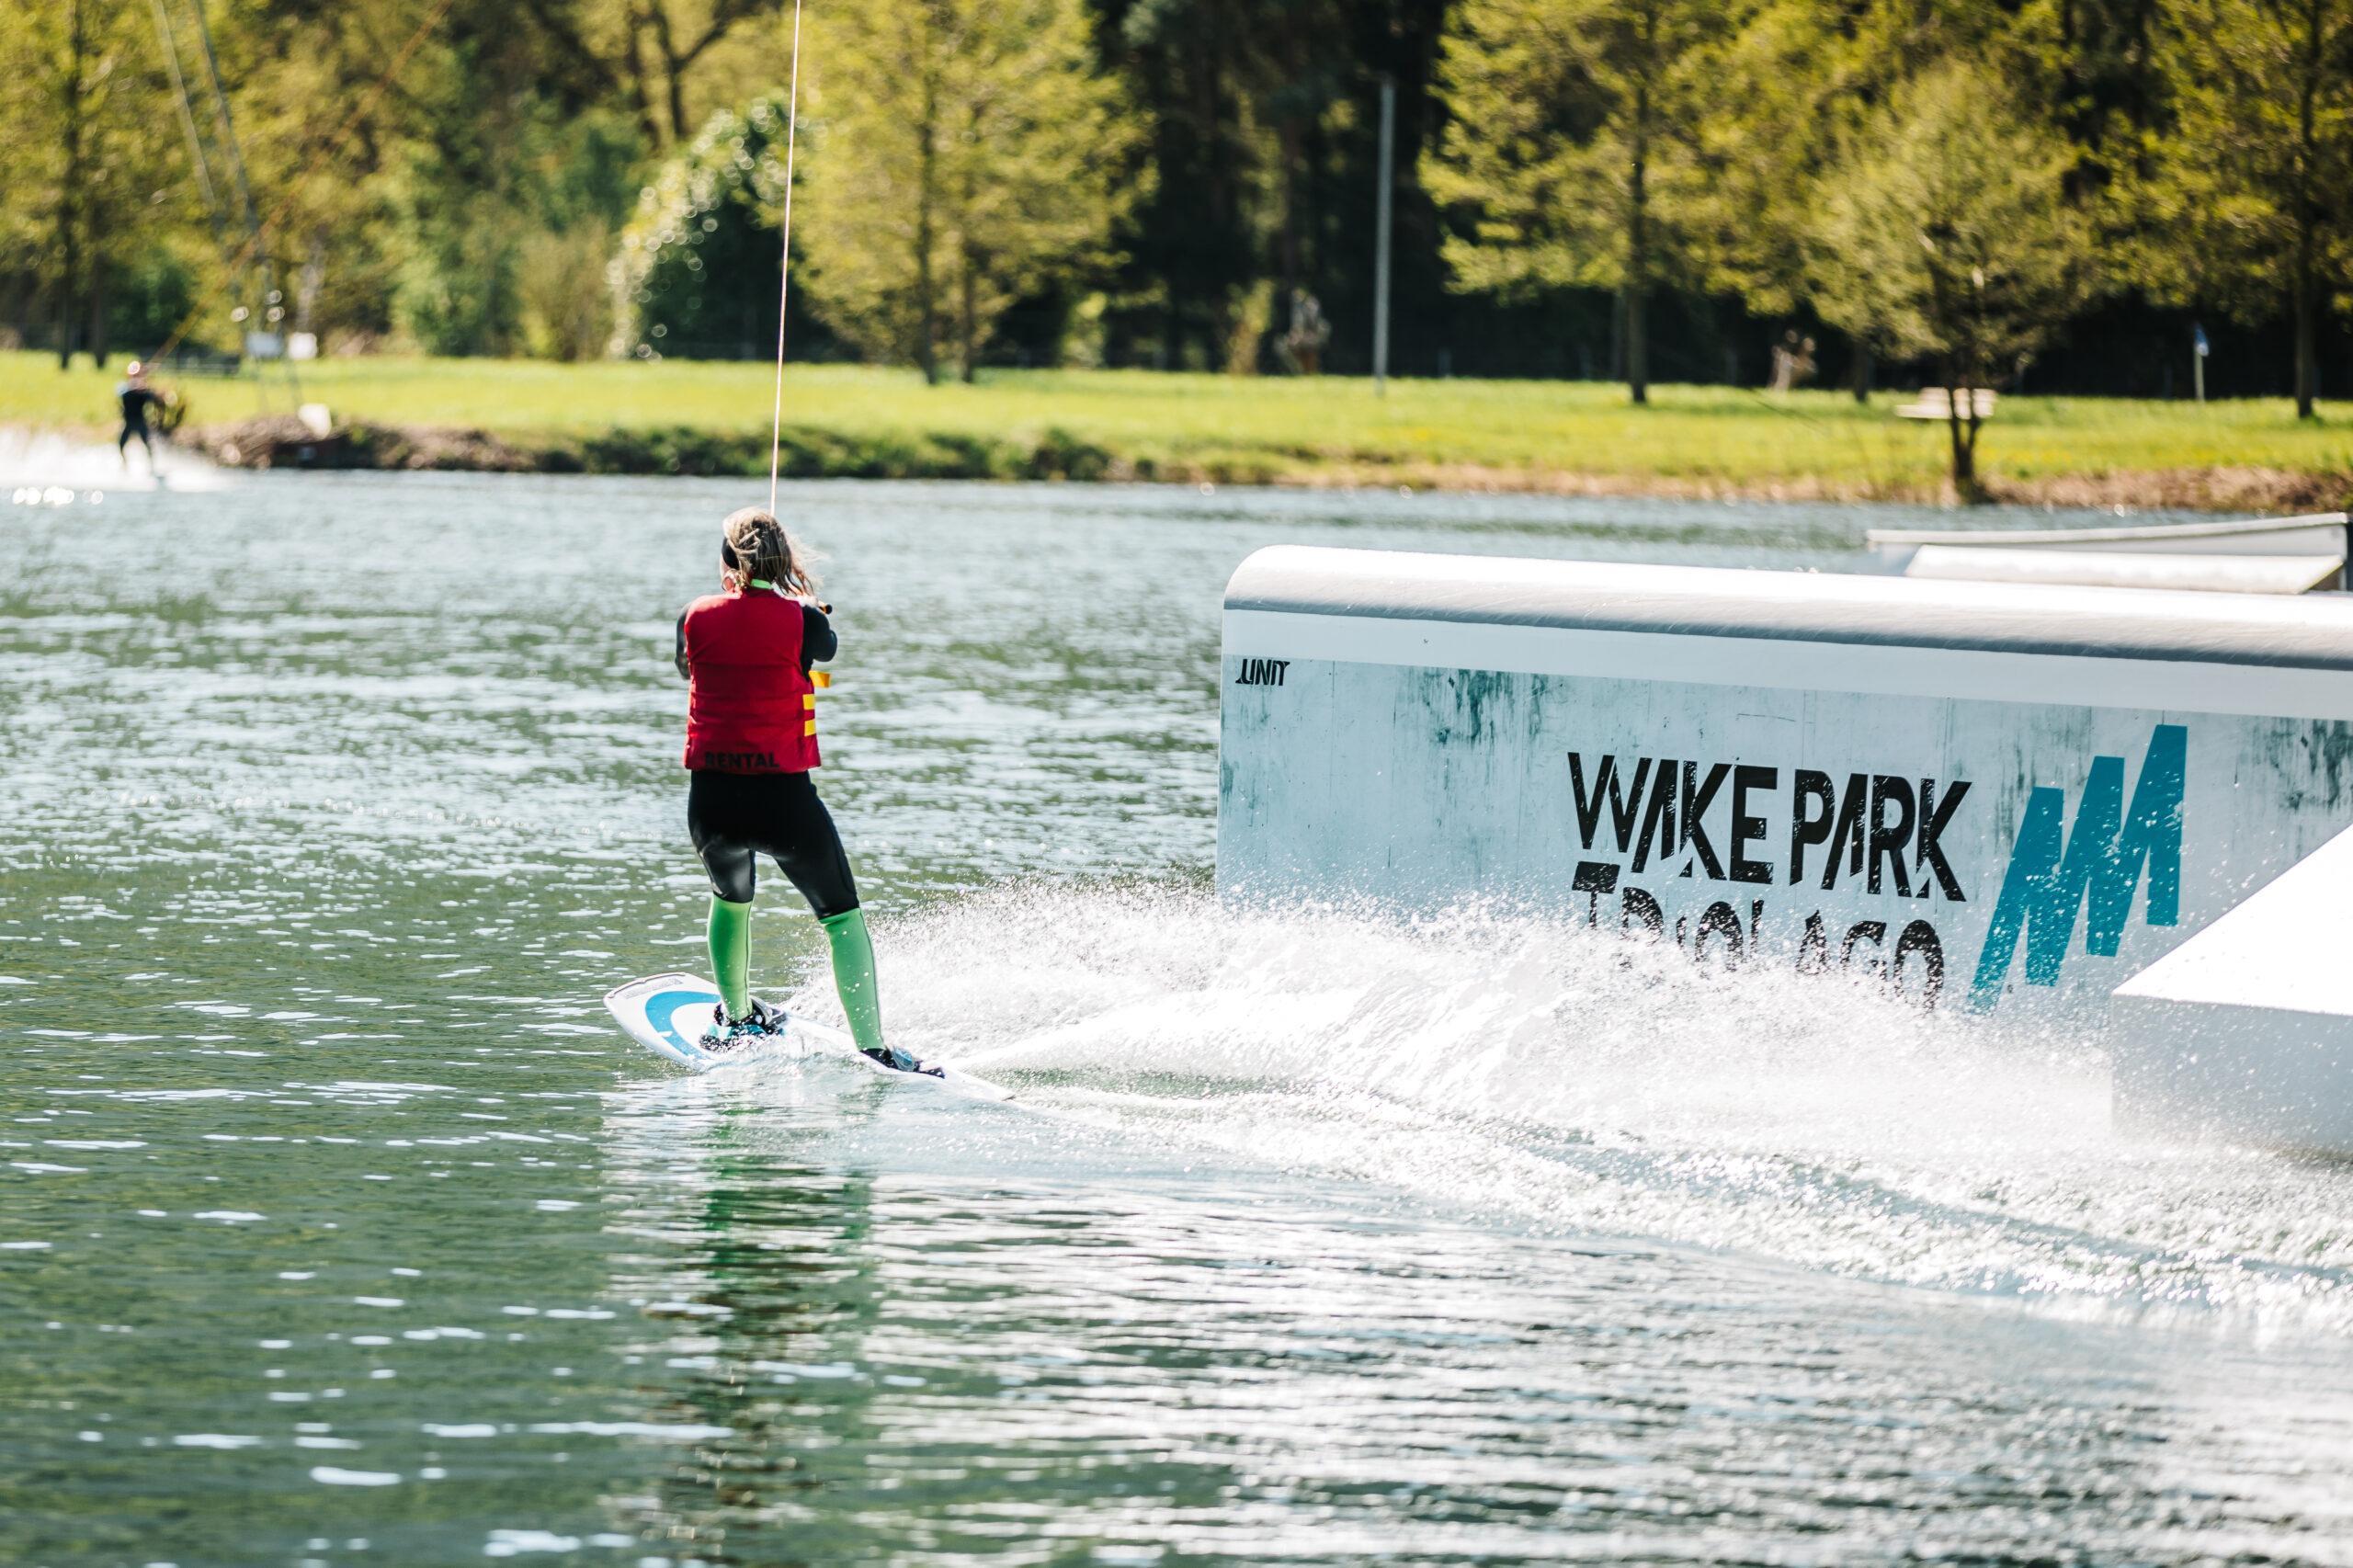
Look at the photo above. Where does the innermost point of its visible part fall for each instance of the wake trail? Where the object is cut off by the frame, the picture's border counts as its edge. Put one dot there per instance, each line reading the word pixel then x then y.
pixel 1548 1078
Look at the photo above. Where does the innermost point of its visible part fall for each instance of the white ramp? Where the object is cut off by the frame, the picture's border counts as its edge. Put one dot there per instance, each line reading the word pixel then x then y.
pixel 2322 533
pixel 2246 1031
pixel 2212 573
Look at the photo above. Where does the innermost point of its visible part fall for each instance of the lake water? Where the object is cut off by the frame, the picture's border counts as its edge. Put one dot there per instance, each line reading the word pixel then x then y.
pixel 337 1225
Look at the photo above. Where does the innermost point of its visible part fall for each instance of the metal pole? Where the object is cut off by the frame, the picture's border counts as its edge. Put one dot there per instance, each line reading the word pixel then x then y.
pixel 1381 244
pixel 2198 362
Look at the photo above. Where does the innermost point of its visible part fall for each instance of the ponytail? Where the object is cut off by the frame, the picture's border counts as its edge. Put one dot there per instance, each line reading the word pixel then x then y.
pixel 754 547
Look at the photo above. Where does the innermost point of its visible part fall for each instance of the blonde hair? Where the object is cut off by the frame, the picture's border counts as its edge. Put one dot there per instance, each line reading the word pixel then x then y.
pixel 754 546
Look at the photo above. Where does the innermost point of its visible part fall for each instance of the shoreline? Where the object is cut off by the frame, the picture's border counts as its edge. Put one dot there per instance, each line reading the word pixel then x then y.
pixel 1055 455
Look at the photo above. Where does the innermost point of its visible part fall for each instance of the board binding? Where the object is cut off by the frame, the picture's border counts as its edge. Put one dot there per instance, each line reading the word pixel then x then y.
pixel 666 1013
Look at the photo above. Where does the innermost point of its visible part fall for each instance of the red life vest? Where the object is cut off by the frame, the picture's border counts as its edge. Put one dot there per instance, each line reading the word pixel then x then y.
pixel 750 706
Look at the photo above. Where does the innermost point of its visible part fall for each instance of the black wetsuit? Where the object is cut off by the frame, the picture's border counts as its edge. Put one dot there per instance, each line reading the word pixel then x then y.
pixel 734 818
pixel 136 402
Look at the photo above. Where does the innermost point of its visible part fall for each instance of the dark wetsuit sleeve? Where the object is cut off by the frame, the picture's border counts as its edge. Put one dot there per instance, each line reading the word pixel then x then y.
pixel 819 640
pixel 680 656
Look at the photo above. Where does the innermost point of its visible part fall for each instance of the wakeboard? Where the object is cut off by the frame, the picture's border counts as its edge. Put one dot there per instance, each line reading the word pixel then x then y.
pixel 667 1013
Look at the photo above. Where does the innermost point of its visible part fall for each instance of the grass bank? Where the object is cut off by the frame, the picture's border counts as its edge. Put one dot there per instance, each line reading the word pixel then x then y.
pixel 1582 438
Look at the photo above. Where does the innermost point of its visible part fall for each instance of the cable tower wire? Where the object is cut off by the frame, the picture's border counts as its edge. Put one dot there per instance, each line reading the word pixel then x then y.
pixel 319 156
pixel 784 259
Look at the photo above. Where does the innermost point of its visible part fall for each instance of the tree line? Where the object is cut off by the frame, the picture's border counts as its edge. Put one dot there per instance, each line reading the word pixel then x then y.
pixel 1624 188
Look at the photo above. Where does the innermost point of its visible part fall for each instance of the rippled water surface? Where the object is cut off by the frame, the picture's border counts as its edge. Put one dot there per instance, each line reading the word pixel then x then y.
pixel 337 1225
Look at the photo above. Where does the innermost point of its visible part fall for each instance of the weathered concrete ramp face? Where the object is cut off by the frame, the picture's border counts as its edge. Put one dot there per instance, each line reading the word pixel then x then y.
pixel 2012 795
pixel 2246 1031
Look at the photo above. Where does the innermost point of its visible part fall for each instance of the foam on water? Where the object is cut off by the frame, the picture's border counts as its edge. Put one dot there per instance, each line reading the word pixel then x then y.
pixel 42 468
pixel 1537 1073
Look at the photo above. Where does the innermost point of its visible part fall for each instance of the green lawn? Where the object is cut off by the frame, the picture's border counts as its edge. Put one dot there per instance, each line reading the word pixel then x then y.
pixel 1515 434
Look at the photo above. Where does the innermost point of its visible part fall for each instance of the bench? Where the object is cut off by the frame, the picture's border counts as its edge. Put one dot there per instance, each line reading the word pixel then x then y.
pixel 1935 403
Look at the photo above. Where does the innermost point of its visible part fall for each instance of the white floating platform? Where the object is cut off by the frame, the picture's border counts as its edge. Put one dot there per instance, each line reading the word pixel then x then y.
pixel 2260 555
pixel 2010 796
pixel 2246 1031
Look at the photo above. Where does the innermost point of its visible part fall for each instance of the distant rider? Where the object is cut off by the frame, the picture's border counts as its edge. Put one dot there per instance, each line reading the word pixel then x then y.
pixel 137 398
pixel 751 746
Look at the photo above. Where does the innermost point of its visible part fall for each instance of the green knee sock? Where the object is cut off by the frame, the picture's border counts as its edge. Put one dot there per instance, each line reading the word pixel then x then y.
pixel 730 954
pixel 854 978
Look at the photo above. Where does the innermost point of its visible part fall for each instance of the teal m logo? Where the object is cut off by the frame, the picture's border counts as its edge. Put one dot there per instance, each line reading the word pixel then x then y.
pixel 2055 873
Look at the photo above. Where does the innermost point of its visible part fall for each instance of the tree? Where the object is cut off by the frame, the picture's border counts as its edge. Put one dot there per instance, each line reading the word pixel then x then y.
pixel 2253 197
pixel 2094 65
pixel 1577 147
pixel 79 110
pixel 679 46
pixel 474 205
pixel 1804 77
pixel 1944 233
pixel 1235 93
pixel 960 156
pixel 698 268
